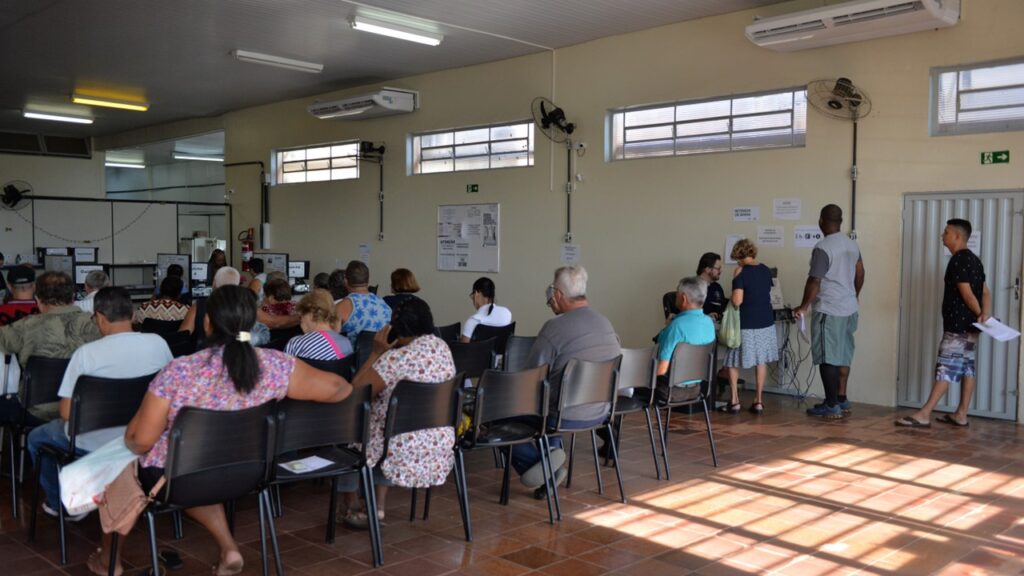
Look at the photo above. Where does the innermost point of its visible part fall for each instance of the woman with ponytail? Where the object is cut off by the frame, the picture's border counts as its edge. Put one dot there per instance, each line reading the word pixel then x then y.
pixel 230 374
pixel 487 312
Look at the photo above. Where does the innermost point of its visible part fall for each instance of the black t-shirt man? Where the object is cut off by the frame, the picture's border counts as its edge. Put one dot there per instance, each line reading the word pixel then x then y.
pixel 963 267
pixel 714 303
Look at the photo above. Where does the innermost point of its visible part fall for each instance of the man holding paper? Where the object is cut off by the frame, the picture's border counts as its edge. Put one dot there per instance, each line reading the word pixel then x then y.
pixel 965 300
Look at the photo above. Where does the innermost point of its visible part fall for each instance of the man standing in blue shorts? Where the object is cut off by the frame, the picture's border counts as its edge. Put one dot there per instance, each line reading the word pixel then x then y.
pixel 833 285
pixel 965 300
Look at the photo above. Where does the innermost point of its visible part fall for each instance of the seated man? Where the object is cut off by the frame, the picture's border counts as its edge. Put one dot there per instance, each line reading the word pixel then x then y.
pixel 93 282
pixel 120 353
pixel 57 331
pixel 225 276
pixel 21 302
pixel 578 331
pixel 690 326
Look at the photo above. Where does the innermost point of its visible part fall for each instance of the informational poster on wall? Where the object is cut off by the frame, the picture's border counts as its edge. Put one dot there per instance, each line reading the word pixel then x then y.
pixel 467 237
pixel 806 235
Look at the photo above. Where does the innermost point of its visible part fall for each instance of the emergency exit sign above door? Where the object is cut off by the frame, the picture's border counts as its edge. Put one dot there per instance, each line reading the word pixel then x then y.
pixel 998 157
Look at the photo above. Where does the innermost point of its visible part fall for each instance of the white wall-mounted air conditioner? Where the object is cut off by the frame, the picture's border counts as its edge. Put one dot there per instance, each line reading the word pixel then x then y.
pixel 383 102
pixel 851 21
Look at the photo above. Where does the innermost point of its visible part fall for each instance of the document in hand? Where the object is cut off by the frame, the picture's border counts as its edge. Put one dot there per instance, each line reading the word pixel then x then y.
pixel 997 330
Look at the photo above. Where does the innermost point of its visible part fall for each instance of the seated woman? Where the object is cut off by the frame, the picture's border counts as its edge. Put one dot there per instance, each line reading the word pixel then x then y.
pixel 229 375
pixel 487 312
pixel 403 286
pixel 320 339
pixel 164 305
pixel 418 459
pixel 277 298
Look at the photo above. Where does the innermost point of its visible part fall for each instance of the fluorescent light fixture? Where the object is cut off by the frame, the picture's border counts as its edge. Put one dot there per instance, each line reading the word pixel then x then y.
pixel 57 117
pixel 396 31
pixel 109 103
pixel 185 156
pixel 123 165
pixel 278 61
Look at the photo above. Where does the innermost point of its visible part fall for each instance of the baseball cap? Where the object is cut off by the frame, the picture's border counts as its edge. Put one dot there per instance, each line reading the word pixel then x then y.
pixel 21 275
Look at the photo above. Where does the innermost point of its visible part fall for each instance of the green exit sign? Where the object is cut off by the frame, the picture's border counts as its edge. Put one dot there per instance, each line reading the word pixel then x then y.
pixel 998 157
pixel 472 188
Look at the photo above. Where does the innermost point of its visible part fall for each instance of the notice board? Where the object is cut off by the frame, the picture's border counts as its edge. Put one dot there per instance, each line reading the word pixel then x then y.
pixel 468 237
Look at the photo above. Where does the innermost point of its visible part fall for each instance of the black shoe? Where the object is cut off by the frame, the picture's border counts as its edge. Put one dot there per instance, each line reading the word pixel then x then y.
pixel 542 492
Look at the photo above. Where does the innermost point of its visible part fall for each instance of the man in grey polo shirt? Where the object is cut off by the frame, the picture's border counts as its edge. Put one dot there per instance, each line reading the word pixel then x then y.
pixel 833 285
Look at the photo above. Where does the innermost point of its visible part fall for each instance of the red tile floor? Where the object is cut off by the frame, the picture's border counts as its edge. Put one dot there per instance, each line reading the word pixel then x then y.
pixel 793 495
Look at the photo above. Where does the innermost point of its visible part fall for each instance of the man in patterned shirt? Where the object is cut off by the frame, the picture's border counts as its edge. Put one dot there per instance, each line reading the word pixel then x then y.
pixel 965 300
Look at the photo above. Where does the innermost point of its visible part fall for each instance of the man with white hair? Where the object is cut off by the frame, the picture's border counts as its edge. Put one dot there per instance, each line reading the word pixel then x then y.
pixel 578 331
pixel 93 282
pixel 690 326
pixel 225 276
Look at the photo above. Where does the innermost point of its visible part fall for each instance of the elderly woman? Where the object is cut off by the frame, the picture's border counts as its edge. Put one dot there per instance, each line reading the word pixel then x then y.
pixel 320 339
pixel 406 349
pixel 751 293
pixel 403 287
pixel 228 375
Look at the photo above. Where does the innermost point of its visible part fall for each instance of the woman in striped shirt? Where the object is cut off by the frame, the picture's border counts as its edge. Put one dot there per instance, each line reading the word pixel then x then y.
pixel 320 339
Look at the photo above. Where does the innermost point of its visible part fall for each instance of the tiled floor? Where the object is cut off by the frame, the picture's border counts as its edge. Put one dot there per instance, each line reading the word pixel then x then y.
pixel 792 496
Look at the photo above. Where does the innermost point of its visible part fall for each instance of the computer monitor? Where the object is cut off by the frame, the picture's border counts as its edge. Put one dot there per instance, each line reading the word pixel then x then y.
pixel 87 255
pixel 163 261
pixel 298 269
pixel 200 272
pixel 42 253
pixel 274 263
pixel 58 263
pixel 83 270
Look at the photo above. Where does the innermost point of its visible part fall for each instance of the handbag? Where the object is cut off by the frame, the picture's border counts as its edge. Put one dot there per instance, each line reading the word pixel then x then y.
pixel 729 331
pixel 123 500
pixel 82 482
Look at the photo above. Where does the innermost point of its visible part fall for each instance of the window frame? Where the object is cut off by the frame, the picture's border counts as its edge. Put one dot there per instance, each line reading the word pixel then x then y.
pixel 415 148
pixel 278 162
pixel 616 150
pixel 956 128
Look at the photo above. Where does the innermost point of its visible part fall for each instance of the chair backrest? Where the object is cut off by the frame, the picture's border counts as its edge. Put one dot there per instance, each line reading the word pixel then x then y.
pixel 691 363
pixel 154 326
pixel 218 455
pixel 100 403
pixel 637 369
pixel 180 343
pixel 668 303
pixel 303 424
pixel 364 346
pixel 585 382
pixel 449 333
pixel 285 333
pixel 499 333
pixel 420 406
pixel 472 358
pixel 517 350
pixel 40 380
pixel 503 395
pixel 344 367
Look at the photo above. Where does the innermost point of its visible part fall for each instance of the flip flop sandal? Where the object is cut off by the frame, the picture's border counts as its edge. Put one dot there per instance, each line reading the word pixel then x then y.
pixel 757 408
pixel 948 419
pixel 908 422
pixel 96 567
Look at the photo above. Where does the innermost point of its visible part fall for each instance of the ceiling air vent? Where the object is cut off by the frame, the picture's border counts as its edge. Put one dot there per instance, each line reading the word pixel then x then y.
pixel 44 145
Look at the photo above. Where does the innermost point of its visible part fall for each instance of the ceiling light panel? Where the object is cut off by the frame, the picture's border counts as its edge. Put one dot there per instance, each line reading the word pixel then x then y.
pixel 393 30
pixel 278 61
pixel 109 103
pixel 56 117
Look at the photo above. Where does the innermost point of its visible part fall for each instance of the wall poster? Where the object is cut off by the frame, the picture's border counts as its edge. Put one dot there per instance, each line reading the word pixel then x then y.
pixel 467 237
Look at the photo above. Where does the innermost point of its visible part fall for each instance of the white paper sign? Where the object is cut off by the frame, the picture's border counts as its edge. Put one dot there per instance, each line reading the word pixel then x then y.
pixel 570 254
pixel 364 253
pixel 85 255
pixel 731 241
pixel 771 236
pixel 787 208
pixel 806 236
pixel 746 214
pixel 973 244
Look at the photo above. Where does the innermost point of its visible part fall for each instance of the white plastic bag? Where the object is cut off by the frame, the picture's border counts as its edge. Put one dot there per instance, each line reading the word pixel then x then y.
pixel 83 481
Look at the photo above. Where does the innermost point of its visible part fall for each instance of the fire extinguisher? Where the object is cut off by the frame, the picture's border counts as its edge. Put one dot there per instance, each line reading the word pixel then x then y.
pixel 248 239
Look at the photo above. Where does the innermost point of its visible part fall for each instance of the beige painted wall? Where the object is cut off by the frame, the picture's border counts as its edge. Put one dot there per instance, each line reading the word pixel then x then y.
pixel 642 224
pixel 51 176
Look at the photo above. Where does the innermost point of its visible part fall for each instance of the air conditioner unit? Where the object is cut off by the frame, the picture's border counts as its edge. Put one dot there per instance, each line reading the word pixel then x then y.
pixel 384 102
pixel 851 21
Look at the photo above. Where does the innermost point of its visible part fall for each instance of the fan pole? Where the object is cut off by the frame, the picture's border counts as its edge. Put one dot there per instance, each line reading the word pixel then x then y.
pixel 569 186
pixel 853 186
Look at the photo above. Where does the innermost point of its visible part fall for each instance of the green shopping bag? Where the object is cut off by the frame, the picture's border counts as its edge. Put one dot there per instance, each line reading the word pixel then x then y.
pixel 729 331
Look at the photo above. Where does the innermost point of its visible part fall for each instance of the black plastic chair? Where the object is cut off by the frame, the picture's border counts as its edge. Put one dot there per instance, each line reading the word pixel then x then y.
pixel 96 403
pixel 180 343
pixel 324 430
pixel 500 335
pixel 364 346
pixel 418 406
pixel 200 472
pixel 154 326
pixel 586 383
pixel 689 375
pixel 344 367
pixel 40 381
pixel 473 358
pixel 449 333
pixel 517 350
pixel 503 399
pixel 637 371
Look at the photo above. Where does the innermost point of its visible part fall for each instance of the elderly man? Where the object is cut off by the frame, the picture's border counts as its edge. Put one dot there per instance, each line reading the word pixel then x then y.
pixel 21 301
pixel 93 282
pixel 577 331
pixel 690 326
pixel 120 353
pixel 193 322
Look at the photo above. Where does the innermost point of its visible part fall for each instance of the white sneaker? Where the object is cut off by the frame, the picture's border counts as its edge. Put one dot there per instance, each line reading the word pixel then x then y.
pixel 68 517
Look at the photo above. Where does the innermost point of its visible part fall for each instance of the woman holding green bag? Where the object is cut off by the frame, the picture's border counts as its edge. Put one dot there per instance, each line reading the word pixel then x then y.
pixel 751 293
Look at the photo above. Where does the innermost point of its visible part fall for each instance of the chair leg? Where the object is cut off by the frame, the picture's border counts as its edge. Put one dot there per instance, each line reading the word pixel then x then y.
pixel 463 493
pixel 263 513
pixel 412 506
pixel 572 453
pixel 370 496
pixel 332 510
pixel 546 449
pixel 112 561
pixel 663 433
pixel 179 525
pixel 12 458
pixel 549 476
pixel 229 509
pixel 711 439
pixel 426 504
pixel 506 476
pixel 499 458
pixel 34 513
pixel 654 451
pixel 61 527
pixel 597 461
pixel 275 501
pixel 278 564
pixel 615 458
pixel 153 556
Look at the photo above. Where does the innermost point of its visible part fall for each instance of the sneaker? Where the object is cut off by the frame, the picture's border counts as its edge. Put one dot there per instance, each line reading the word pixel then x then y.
pixel 825 411
pixel 68 517
pixel 534 477
pixel 846 407
pixel 542 492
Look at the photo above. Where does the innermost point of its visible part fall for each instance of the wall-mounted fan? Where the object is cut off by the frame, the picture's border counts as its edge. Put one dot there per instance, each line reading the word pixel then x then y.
pixel 15 195
pixel 840 99
pixel 551 120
